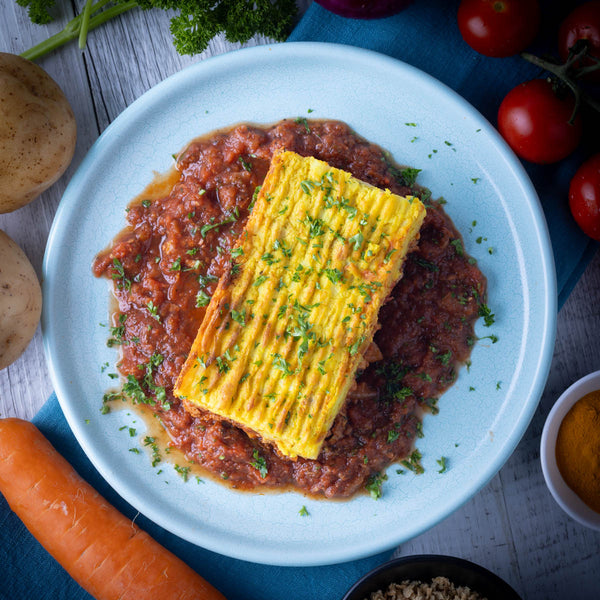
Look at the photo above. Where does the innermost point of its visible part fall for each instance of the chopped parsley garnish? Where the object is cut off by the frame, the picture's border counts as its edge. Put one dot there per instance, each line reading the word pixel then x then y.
pixel 206 228
pixel 119 274
pixel 351 210
pixel 419 430
pixel 247 166
pixel 315 226
pixel 357 240
pixel 388 256
pixel 223 362
pixel 486 313
pixel 302 330
pixel 260 280
pixel 134 390
pixel 445 358
pixel 393 374
pixel 239 317
pixel 393 435
pixel 307 186
pixel 269 258
pixel 202 299
pixel 366 289
pixel 303 512
pixel 117 332
pixel 183 471
pixel 280 363
pixel 424 263
pixel 403 393
pixel 413 463
pixel 150 441
pixel 443 464
pixel 457 243
pixel 254 197
pixel 259 463
pixel 153 309
pixel 204 280
pixel 176 266
pixel 303 121
pixel 431 403
pixel 334 275
pixel 374 484
pixel 357 344
pixel 409 175
pixel 280 245
pixel 493 338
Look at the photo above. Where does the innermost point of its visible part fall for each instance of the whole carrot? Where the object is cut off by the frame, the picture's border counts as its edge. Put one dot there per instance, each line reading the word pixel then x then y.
pixel 106 553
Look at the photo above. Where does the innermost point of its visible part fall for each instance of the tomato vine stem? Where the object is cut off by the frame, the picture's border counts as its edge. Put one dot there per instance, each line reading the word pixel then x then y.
pixel 566 74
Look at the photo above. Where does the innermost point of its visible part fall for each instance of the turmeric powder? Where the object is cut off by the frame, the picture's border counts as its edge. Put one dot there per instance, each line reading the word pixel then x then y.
pixel 578 449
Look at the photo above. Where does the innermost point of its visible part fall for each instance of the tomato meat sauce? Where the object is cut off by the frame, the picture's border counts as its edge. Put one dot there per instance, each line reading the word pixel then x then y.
pixel 166 264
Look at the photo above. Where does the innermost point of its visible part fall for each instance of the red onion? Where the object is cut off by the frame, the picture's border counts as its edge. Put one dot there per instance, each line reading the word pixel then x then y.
pixel 363 9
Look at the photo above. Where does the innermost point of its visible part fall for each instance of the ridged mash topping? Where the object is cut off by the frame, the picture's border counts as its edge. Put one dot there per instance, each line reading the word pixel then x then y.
pixel 286 329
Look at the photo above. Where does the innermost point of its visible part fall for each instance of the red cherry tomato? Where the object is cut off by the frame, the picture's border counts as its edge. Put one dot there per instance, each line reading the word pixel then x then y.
pixel 534 121
pixel 584 197
pixel 498 27
pixel 582 24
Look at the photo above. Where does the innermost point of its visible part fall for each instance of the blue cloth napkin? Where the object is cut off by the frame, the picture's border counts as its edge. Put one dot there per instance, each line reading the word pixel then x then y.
pixel 424 35
pixel 28 572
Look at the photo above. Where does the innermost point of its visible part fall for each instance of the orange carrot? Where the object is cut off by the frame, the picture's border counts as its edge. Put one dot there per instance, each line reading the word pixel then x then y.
pixel 106 553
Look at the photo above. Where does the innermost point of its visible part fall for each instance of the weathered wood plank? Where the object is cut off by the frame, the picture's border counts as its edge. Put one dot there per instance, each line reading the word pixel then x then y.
pixel 25 385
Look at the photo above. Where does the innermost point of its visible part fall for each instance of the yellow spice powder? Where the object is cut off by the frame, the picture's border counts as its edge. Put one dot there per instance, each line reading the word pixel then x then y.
pixel 578 449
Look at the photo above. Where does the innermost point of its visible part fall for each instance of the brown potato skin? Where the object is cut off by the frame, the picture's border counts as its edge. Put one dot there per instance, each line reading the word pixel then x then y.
pixel 20 301
pixel 37 131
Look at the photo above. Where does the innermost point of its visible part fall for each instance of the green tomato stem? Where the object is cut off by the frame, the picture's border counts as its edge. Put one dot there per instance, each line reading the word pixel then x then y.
pixel 561 72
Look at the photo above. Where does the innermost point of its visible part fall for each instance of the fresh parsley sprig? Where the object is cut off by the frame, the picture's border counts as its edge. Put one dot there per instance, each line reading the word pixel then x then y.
pixel 194 25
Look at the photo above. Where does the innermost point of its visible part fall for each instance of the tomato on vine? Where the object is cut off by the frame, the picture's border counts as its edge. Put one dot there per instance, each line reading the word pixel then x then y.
pixel 582 28
pixel 498 27
pixel 534 119
pixel 584 197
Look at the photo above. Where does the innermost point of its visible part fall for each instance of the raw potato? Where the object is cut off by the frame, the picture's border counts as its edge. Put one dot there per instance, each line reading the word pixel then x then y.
pixel 20 301
pixel 37 132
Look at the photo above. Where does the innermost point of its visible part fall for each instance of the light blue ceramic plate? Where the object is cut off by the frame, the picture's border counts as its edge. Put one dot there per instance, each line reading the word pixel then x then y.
pixel 423 124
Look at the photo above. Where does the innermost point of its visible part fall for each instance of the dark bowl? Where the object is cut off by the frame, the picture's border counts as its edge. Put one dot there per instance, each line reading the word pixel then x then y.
pixel 427 566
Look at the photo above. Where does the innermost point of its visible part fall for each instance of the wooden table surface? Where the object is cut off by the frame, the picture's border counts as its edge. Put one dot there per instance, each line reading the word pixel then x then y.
pixel 513 526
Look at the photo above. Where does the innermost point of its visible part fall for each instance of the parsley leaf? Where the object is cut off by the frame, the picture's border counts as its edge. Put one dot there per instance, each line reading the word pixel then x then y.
pixel 259 463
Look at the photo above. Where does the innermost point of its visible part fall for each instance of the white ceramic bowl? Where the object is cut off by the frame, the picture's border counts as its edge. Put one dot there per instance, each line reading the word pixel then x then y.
pixel 567 499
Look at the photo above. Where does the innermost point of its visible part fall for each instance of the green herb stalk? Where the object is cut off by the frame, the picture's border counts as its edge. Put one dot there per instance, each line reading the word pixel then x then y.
pixel 195 23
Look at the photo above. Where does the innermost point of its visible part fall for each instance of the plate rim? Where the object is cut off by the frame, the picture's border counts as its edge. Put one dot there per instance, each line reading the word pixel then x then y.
pixel 550 301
